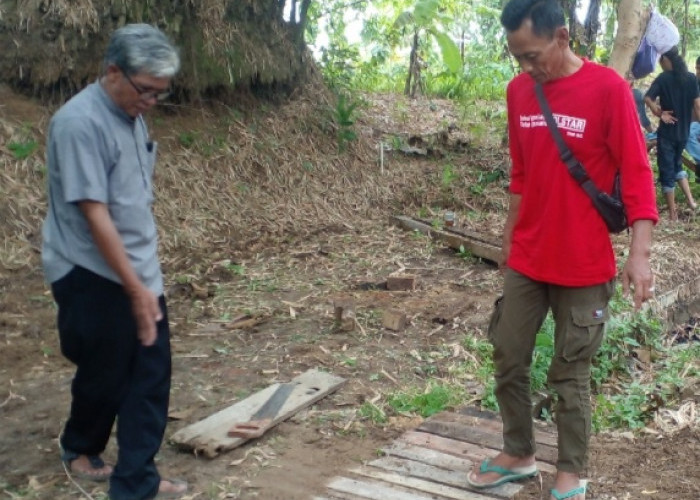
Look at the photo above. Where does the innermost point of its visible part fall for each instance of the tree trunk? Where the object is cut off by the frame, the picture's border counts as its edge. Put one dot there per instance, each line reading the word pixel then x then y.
pixel 591 27
pixel 570 9
pixel 684 38
pixel 632 19
pixel 413 68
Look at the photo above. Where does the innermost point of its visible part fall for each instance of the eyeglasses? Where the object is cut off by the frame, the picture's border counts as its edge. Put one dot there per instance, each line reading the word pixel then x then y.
pixel 144 94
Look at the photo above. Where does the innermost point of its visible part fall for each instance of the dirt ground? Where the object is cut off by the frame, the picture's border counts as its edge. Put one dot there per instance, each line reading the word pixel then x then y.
pixel 290 286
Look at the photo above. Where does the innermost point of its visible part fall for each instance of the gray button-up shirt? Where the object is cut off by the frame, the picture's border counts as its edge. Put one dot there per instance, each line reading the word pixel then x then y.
pixel 97 152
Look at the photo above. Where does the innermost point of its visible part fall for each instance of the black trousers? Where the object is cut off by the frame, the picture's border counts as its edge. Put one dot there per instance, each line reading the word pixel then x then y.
pixel 117 378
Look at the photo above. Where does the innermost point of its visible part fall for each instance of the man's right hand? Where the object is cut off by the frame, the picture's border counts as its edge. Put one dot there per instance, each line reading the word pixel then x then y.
pixel 144 303
pixel 147 313
pixel 505 252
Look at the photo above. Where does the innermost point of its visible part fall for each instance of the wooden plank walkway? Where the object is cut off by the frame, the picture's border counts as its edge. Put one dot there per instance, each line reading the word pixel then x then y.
pixel 432 461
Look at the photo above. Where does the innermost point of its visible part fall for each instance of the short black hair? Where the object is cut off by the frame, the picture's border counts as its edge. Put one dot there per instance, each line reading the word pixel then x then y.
pixel 697 61
pixel 546 16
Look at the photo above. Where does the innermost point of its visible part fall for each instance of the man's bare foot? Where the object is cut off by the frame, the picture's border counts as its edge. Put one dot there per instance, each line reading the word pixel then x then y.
pixel 566 485
pixel 171 488
pixel 501 469
pixel 91 468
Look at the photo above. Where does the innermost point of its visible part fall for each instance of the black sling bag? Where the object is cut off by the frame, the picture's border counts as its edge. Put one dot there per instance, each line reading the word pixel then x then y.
pixel 609 206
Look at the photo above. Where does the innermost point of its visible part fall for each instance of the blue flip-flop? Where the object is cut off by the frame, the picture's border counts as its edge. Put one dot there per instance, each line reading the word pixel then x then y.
pixel 507 475
pixel 581 490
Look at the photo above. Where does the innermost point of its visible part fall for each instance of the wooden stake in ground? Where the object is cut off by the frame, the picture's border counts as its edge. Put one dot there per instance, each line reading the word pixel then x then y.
pixel 344 314
pixel 394 320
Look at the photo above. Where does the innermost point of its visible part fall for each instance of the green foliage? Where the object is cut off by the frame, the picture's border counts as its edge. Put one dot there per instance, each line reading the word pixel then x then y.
pixel 435 398
pixel 238 269
pixel 484 178
pixel 450 52
pixel 622 336
pixel 24 149
pixel 372 412
pixel 542 355
pixel 345 120
pixel 448 175
pixel 480 365
pixel 188 139
pixel 464 253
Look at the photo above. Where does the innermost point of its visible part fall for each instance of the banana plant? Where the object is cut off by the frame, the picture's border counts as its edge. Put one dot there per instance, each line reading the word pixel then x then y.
pixel 425 22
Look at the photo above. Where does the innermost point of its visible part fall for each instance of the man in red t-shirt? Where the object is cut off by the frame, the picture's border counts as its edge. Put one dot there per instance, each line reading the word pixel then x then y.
pixel 557 252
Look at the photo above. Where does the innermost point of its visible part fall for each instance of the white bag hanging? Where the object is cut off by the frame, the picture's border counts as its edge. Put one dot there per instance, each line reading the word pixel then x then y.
pixel 661 33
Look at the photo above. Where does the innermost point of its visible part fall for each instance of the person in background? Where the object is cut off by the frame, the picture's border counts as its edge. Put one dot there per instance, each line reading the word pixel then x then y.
pixel 678 97
pixel 556 252
pixel 693 144
pixel 641 111
pixel 100 257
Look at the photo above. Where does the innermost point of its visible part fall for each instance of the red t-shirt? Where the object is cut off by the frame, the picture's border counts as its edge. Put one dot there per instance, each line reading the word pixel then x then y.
pixel 559 237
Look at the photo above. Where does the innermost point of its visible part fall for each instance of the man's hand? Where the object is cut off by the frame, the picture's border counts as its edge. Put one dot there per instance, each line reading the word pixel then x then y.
pixel 668 118
pixel 636 274
pixel 511 218
pixel 505 252
pixel 143 302
pixel 147 313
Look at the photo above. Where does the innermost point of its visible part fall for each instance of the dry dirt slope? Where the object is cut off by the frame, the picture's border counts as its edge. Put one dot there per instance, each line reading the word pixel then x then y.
pixel 261 215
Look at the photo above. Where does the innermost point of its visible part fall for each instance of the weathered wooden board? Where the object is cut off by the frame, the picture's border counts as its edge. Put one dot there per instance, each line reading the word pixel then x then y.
pixel 402 449
pixel 373 490
pixel 455 478
pixel 461 449
pixel 414 483
pixel 209 436
pixel 475 243
pixel 544 433
pixel 484 432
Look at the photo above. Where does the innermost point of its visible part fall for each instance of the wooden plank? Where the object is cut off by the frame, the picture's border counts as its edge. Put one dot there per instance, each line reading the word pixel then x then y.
pixel 337 495
pixel 373 490
pixel 402 449
pixel 482 437
pixel 491 425
pixel 460 448
pixel 472 242
pixel 455 478
pixel 209 436
pixel 421 485
pixel 404 282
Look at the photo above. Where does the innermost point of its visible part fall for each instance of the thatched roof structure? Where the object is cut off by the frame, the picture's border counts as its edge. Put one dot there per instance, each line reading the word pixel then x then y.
pixel 54 47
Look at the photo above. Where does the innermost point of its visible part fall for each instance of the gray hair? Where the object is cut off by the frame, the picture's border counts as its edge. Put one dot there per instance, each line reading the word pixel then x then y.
pixel 137 48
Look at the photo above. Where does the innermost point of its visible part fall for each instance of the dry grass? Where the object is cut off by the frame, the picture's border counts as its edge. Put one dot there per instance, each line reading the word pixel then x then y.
pixel 228 183
pixel 224 44
pixel 232 182
pixel 79 15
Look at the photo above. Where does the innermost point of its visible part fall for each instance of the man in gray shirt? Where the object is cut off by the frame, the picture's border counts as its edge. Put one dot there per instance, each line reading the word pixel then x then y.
pixel 100 256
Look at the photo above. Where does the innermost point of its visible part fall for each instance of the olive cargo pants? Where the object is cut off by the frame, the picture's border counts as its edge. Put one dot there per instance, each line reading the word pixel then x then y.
pixel 579 314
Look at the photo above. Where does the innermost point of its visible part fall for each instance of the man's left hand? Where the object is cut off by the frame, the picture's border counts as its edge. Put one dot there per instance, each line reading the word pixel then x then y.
pixel 637 274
